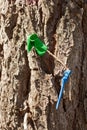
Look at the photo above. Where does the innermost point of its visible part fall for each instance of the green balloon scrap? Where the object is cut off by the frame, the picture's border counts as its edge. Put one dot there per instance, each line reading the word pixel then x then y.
pixel 34 41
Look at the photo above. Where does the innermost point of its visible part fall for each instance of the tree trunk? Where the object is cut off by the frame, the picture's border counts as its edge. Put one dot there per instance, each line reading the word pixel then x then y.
pixel 62 25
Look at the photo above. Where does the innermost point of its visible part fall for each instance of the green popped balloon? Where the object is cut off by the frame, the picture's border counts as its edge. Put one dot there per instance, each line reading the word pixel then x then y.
pixel 34 41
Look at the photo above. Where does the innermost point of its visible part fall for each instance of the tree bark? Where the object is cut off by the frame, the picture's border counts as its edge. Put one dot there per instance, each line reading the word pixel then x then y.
pixel 62 25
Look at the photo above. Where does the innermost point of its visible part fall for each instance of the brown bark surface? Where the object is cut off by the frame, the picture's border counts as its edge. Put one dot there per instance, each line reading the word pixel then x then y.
pixel 62 25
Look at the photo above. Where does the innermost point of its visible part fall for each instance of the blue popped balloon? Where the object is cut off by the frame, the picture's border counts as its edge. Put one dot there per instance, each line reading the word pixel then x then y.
pixel 64 80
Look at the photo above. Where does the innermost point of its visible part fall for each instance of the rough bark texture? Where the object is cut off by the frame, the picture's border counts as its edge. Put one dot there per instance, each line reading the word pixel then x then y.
pixel 29 77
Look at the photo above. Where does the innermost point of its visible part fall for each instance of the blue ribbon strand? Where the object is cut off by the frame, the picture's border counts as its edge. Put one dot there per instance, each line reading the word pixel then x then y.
pixel 64 80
